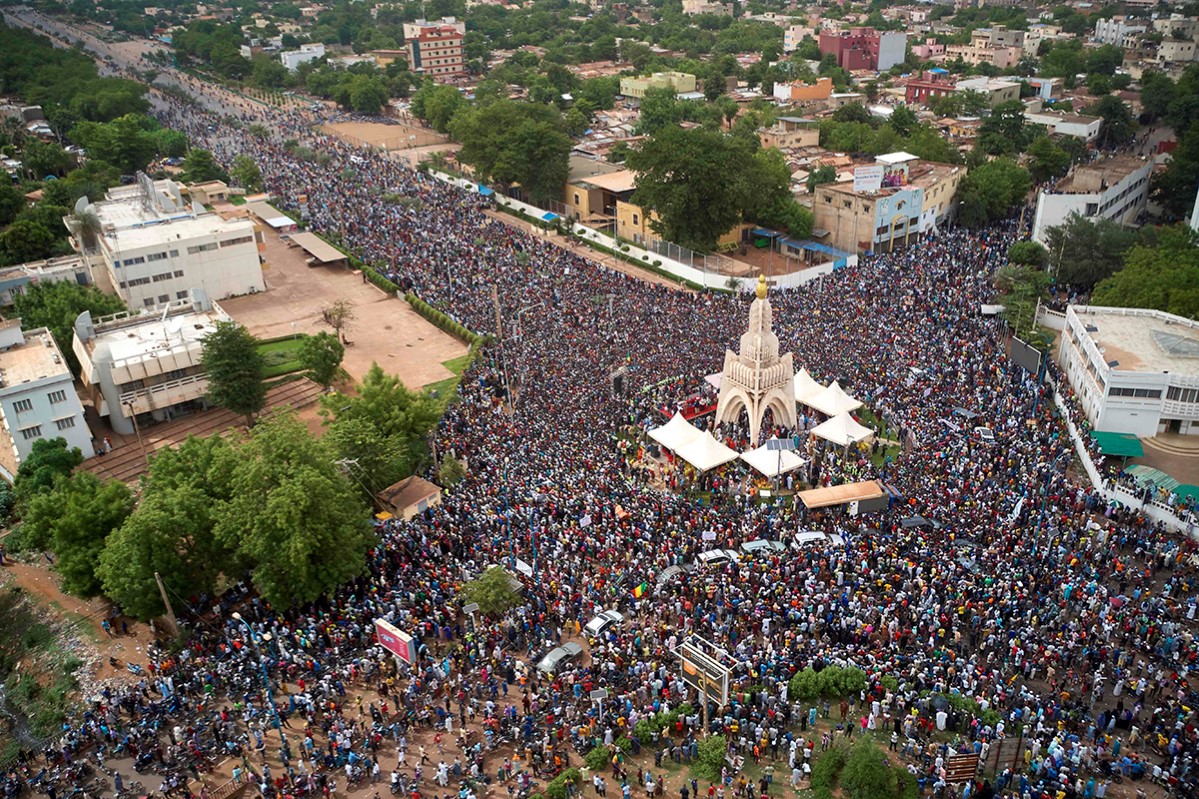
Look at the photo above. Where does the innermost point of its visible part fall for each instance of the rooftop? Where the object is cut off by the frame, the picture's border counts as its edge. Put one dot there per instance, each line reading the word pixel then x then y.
pixel 1098 175
pixel 35 357
pixel 148 335
pixel 182 228
pixel 1141 340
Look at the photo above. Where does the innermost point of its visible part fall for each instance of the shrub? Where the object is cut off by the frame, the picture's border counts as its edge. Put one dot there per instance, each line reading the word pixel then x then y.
pixel 556 788
pixel 644 730
pixel 867 773
pixel 711 757
pixel 657 263
pixel 624 744
pixel 826 769
pixel 598 758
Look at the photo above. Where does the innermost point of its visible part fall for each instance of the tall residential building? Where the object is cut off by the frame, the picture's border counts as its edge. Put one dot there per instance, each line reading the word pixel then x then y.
pixel 865 48
pixel 37 396
pixel 146 365
pixel 1111 188
pixel 1114 29
pixel 154 247
pixel 435 48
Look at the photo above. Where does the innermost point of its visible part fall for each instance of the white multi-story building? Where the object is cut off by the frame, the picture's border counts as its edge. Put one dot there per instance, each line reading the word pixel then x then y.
pixel 1111 188
pixel 1113 30
pixel 147 365
pixel 155 248
pixel 1079 126
pixel 37 396
pixel 1134 370
pixel 307 52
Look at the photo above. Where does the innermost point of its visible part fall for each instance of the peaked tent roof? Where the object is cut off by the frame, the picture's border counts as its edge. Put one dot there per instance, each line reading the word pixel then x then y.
pixel 772 462
pixel 706 453
pixel 833 401
pixel 805 386
pixel 675 434
pixel 842 430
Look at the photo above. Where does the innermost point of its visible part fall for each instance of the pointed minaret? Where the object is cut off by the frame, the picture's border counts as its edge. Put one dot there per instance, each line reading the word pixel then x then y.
pixel 758 378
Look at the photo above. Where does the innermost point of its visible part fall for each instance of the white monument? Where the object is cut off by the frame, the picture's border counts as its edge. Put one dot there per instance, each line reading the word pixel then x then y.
pixel 757 378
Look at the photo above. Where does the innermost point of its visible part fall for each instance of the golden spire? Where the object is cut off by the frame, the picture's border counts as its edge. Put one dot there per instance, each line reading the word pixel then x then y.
pixel 761 290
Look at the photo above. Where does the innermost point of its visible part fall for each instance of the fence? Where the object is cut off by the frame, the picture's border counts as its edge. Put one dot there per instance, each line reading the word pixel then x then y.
pixel 713 271
pixel 413 137
pixel 1054 320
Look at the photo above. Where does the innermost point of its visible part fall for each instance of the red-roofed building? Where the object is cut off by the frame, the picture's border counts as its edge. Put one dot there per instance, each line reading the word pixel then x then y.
pixel 435 49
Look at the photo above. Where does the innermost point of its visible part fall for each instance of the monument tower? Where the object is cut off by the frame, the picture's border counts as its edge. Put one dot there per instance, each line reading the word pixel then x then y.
pixel 758 378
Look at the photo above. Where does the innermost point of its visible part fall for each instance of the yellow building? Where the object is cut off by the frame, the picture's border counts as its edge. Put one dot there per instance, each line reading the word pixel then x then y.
pixel 592 199
pixel 633 224
pixel 636 88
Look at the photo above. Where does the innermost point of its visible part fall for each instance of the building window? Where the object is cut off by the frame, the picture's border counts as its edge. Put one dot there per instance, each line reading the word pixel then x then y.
pixel 164 298
pixel 239 240
pixel 23 405
pixel 156 256
pixel 178 273
pixel 148 302
pixel 57 397
pixel 174 253
pixel 181 295
pixel 201 248
pixel 65 424
pixel 32 432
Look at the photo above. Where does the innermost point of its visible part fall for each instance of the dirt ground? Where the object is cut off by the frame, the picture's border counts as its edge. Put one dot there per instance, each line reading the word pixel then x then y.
pixel 397 136
pixel 385 331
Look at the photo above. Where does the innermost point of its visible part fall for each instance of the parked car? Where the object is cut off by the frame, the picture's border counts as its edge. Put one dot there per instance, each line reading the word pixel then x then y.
pixel 601 623
pixel 985 435
pixel 816 538
pixel 714 558
pixel 558 657
pixel 762 546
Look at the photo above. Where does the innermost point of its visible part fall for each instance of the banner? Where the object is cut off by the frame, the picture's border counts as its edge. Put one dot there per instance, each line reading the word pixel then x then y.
pixel 867 178
pixel 395 641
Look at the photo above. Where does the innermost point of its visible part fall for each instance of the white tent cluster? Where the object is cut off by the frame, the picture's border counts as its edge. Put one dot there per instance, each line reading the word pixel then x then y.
pixel 704 452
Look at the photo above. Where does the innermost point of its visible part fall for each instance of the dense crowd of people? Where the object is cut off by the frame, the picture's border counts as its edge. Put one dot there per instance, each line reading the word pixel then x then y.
pixel 1046 613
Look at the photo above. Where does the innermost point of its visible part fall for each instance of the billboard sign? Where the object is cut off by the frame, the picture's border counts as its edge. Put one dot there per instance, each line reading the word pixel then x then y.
pixel 867 178
pixel 705 668
pixel 396 641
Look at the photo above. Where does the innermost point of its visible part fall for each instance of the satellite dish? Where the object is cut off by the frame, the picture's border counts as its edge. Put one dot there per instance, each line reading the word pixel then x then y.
pixel 82 204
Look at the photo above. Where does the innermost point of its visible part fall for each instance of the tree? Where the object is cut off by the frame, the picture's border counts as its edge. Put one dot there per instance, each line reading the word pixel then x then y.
pixel 452 471
pixel 245 173
pixel 1165 277
pixel 1027 253
pixel 1174 187
pixel 199 166
pixel 1083 252
pixel 494 591
pixel 400 418
pixel 903 120
pixel 867 773
pixel 659 108
pixel 24 241
pixel 170 533
pixel 1046 159
pixel 294 516
pixel 700 182
pixel 1021 289
pixel 368 94
pixel 12 202
pixel 516 143
pixel 77 515
pixel 57 305
pixel 1157 93
pixel 128 143
pixel 990 191
pixel 1005 131
pixel 821 175
pixel 49 459
pixel 1118 126
pixel 437 104
pixel 233 366
pixel 321 355
pixel 43 159
pixel 338 315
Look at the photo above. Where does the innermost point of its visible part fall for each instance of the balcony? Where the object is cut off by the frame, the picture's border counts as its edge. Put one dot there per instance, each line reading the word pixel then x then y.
pixel 164 395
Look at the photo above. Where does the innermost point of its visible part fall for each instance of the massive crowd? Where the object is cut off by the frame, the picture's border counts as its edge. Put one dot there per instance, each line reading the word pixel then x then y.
pixel 1067 618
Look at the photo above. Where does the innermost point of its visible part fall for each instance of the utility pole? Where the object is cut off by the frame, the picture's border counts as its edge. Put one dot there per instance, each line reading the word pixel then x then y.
pixel 162 590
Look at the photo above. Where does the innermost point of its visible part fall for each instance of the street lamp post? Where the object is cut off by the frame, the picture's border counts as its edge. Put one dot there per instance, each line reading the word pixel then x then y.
pixel 266 681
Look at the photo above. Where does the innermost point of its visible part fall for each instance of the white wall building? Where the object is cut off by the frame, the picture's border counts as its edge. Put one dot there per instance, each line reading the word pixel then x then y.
pixel 1134 370
pixel 37 396
pixel 307 52
pixel 1077 125
pixel 146 365
pixel 892 49
pixel 1114 29
pixel 155 249
pixel 14 279
pixel 1112 188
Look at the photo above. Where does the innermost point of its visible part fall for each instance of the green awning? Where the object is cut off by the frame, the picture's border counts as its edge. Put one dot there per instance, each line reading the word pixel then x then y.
pixel 1187 491
pixel 1147 475
pixel 1121 445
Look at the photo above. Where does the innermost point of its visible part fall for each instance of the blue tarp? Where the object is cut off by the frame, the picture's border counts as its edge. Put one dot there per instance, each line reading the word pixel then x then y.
pixel 486 192
pixel 815 247
pixel 549 217
pixel 766 234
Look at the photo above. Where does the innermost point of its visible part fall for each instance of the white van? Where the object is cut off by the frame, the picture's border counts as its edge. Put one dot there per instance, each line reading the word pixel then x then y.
pixel 816 538
pixel 715 558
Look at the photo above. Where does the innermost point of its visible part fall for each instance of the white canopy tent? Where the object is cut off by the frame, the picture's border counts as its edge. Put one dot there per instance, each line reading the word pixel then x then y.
pixel 805 386
pixel 833 401
pixel 675 434
pixel 772 462
pixel 714 380
pixel 842 430
pixel 705 453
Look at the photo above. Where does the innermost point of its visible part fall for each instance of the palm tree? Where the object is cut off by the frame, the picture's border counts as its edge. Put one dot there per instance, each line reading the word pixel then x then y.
pixel 85 226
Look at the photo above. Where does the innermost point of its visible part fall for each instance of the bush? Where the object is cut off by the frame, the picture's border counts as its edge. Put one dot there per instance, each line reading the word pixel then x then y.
pixel 657 263
pixel 644 730
pixel 598 758
pixel 440 319
pixel 556 788
pixel 711 757
pixel 826 769
pixel 867 774
pixel 624 744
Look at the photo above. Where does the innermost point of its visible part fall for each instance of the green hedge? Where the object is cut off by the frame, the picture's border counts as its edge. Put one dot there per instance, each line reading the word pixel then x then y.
pixel 830 682
pixel 556 788
pixel 441 320
pixel 598 758
pixel 826 770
